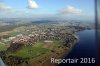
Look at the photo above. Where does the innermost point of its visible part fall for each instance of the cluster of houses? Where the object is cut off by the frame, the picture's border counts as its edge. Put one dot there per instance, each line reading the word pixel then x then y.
pixel 49 34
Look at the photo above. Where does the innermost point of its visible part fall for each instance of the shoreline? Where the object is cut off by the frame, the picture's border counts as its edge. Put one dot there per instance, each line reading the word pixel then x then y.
pixel 66 51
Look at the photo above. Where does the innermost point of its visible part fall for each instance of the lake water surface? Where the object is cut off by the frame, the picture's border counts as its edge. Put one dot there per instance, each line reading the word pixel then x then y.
pixel 1 62
pixel 85 48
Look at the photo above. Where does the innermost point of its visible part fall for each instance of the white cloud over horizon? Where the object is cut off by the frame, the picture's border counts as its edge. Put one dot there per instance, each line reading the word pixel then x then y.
pixel 32 4
pixel 71 10
pixel 4 7
pixel 8 10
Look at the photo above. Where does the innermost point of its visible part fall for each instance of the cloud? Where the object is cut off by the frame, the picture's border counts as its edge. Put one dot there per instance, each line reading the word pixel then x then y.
pixel 32 4
pixel 4 7
pixel 71 10
pixel 8 10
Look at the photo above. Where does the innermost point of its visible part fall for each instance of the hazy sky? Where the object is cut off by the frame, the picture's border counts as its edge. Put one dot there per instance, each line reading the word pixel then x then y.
pixel 37 8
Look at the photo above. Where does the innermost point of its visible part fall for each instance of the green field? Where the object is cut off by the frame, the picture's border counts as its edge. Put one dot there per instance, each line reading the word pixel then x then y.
pixel 29 52
pixel 39 44
pixel 36 50
pixel 3 47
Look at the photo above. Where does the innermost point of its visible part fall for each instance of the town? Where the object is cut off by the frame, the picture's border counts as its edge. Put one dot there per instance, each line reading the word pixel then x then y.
pixel 29 42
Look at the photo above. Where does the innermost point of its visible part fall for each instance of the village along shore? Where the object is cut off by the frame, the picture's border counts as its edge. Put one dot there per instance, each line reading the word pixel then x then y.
pixel 54 42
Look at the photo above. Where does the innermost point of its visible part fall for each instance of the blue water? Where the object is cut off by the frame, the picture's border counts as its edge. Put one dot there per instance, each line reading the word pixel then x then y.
pixel 85 48
pixel 1 62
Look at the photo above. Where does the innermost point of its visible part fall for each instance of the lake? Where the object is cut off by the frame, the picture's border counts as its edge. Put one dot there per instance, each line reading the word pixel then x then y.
pixel 85 48
pixel 1 62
